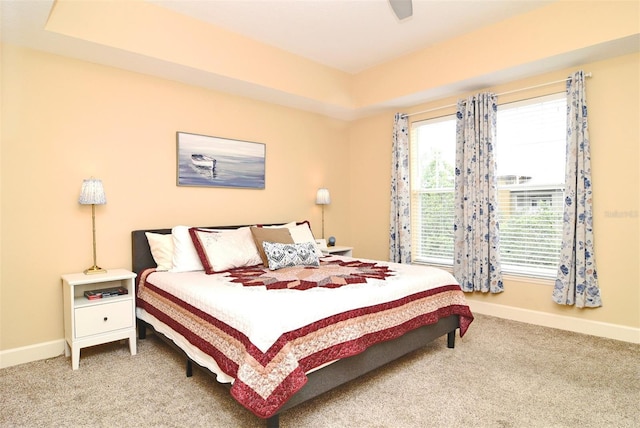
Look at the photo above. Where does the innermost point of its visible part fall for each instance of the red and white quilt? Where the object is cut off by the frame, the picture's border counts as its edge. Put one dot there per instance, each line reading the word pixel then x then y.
pixel 264 330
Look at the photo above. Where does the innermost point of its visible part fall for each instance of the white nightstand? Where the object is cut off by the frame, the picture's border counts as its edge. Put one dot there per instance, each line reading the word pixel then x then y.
pixel 338 250
pixel 92 322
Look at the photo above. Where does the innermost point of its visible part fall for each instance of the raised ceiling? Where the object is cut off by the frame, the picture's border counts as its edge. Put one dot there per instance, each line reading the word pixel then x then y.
pixel 349 37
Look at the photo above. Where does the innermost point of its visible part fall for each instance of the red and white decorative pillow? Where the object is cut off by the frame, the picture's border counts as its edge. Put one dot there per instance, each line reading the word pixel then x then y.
pixel 219 251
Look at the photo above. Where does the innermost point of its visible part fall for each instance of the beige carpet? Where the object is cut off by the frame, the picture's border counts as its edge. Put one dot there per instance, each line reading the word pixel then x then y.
pixel 501 374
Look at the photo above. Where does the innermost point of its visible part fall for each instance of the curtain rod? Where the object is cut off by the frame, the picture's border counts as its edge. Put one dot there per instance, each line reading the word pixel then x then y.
pixel 501 93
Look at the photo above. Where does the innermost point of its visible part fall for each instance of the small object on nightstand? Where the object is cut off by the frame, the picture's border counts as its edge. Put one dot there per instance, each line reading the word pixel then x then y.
pixel 106 292
pixel 98 309
pixel 332 241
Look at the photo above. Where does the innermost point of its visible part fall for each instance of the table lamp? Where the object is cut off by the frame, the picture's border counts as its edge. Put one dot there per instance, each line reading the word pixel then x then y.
pixel 92 193
pixel 323 198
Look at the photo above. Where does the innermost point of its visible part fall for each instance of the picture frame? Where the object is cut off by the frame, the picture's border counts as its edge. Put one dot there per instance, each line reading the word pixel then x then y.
pixel 206 161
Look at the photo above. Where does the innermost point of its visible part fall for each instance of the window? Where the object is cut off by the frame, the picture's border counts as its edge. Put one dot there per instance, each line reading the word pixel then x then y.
pixel 433 154
pixel 530 151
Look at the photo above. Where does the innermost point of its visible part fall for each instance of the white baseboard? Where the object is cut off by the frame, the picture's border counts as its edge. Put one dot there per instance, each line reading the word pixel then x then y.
pixel 26 354
pixel 576 325
pixel 42 351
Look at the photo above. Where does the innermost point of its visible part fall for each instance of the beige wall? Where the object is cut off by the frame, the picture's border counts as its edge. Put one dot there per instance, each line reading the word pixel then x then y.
pixel 65 120
pixel 613 94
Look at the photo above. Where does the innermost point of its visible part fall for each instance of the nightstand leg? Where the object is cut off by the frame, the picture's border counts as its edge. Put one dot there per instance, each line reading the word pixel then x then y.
pixel 75 358
pixel 133 344
pixel 67 349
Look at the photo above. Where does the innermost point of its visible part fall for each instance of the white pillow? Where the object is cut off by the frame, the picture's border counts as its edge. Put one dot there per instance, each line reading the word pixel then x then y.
pixel 224 250
pixel 185 258
pixel 161 246
pixel 302 233
pixel 274 226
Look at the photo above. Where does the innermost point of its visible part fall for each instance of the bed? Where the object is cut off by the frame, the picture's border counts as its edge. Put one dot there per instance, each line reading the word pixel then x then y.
pixel 282 335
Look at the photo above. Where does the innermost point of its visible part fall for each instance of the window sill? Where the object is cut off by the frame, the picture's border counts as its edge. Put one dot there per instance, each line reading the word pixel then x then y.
pixel 506 276
pixel 539 280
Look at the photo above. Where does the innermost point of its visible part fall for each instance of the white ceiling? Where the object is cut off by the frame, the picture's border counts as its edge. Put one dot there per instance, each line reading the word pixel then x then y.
pixel 348 35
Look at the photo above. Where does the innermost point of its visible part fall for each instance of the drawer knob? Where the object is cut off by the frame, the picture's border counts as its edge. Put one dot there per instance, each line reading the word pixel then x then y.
pixel 105 318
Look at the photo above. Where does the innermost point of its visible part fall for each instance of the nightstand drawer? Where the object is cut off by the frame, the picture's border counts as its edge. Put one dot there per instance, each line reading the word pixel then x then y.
pixel 103 318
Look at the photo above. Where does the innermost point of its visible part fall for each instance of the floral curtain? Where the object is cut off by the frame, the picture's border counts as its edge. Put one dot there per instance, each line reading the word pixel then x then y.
pixel 577 280
pixel 476 238
pixel 400 221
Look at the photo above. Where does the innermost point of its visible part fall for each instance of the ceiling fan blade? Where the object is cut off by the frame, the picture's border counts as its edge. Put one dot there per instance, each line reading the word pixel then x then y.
pixel 402 8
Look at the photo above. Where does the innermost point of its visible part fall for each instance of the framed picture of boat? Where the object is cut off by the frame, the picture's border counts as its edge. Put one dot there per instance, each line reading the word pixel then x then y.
pixel 219 162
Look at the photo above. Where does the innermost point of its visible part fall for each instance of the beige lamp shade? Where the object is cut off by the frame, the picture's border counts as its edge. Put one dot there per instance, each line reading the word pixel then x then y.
pixel 323 197
pixel 92 192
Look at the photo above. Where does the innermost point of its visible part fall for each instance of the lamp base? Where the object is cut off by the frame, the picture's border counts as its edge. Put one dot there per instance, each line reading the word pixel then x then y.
pixel 94 269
